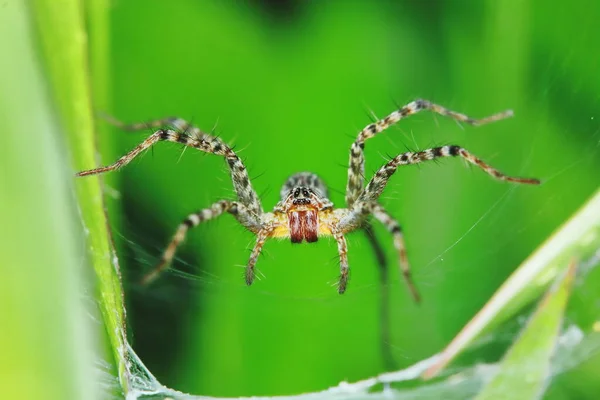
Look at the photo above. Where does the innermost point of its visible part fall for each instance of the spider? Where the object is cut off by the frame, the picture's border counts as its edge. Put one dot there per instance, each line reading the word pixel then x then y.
pixel 304 212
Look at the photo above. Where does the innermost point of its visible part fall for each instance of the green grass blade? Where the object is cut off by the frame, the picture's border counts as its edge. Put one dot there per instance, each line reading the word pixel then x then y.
pixel 64 44
pixel 525 369
pixel 578 238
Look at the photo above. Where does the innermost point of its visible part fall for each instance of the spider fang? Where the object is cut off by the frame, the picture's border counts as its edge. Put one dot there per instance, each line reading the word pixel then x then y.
pixel 304 225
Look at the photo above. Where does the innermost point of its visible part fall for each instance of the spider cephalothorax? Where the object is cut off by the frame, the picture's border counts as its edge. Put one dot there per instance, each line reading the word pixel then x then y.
pixel 304 200
pixel 304 212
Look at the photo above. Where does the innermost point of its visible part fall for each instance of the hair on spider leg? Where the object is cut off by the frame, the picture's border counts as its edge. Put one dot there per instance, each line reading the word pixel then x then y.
pixel 403 147
pixel 189 126
pixel 393 140
pixel 335 261
pixel 297 215
pixel 183 149
pixel 335 282
pixel 218 135
pixel 214 128
pixel 334 189
pixel 414 139
pixel 239 150
pixel 340 165
pixel 266 191
pixel 258 274
pixel 371 114
pixel 439 161
pixel 388 157
pixel 349 136
pixel 258 175
pixel 395 102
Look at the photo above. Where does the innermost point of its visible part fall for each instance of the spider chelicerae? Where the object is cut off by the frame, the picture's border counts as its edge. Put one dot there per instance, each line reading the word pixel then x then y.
pixel 304 212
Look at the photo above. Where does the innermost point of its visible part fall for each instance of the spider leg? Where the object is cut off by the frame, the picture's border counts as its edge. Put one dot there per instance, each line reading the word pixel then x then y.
pixel 376 185
pixel 176 123
pixel 356 169
pixel 384 306
pixel 377 250
pixel 261 237
pixel 192 137
pixel 236 209
pixel 394 228
pixel 343 252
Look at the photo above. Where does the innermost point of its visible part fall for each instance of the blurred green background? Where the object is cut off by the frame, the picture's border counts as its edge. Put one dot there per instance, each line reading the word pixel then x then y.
pixel 290 84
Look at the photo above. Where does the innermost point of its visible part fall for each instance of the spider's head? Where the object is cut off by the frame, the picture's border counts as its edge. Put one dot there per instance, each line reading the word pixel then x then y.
pixel 304 188
pixel 302 197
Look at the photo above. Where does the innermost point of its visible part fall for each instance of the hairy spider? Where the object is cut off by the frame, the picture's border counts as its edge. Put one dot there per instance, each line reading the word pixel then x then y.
pixel 305 213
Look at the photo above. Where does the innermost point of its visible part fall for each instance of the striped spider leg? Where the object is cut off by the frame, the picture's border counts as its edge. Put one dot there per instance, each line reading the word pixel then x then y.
pixel 362 202
pixel 304 212
pixel 247 210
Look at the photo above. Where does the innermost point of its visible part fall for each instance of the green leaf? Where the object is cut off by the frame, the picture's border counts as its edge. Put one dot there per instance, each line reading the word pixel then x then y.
pixel 578 238
pixel 525 369
pixel 64 44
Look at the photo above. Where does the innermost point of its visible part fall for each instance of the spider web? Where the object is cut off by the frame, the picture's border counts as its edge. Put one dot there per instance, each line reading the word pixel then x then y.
pixel 192 274
pixel 446 245
pixel 574 347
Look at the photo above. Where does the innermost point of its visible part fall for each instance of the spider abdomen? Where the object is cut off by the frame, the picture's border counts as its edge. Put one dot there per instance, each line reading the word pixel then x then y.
pixel 304 225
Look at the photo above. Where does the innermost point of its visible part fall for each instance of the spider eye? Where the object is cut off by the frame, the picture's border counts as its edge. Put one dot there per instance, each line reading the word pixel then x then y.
pixel 305 193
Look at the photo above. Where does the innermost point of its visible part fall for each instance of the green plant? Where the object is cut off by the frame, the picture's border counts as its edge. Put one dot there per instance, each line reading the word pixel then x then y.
pixel 276 85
